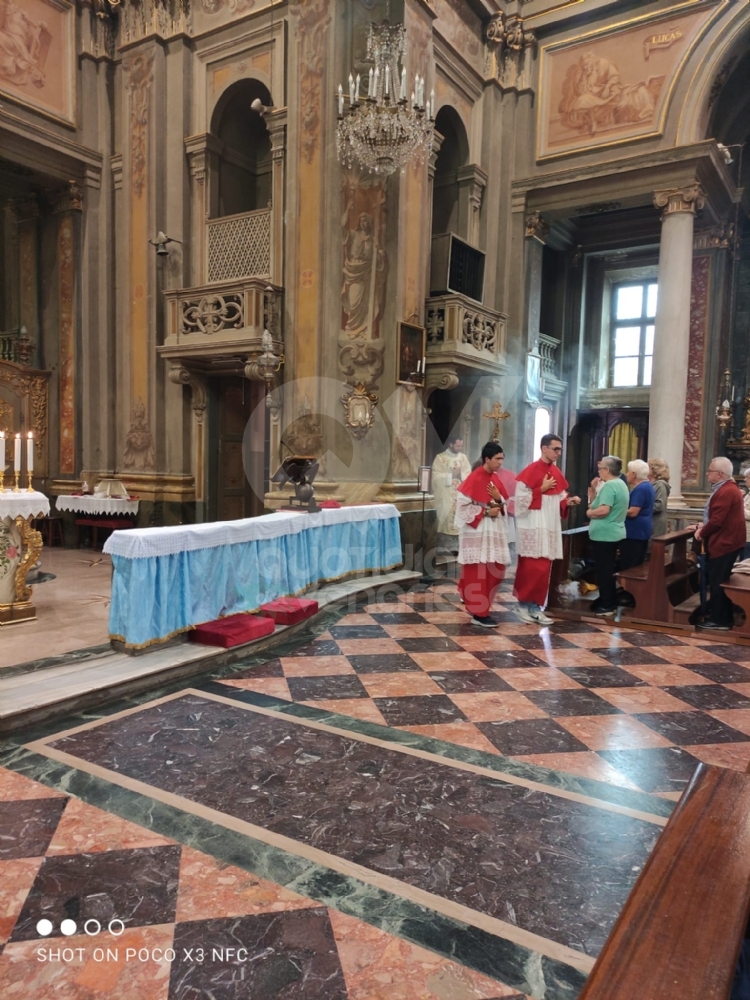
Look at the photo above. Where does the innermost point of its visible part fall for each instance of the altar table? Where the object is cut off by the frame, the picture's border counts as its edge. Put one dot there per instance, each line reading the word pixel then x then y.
pixel 20 546
pixel 167 580
pixel 90 504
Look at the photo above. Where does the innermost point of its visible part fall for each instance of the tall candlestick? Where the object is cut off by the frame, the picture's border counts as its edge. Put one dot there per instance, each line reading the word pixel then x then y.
pixel 356 91
pixel 370 92
pixel 432 100
pixel 375 80
pixel 17 454
pixel 351 89
pixel 341 101
pixel 387 80
pixel 30 452
pixel 424 364
pixel 403 83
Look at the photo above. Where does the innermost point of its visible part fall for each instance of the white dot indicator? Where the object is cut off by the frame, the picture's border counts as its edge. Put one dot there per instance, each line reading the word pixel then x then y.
pixel 44 928
pixel 68 927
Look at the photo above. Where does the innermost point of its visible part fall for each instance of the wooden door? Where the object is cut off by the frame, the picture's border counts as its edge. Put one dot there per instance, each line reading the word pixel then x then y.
pixel 235 498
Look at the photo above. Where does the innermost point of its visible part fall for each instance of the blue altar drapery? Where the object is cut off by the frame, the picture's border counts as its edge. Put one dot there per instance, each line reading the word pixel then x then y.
pixel 156 597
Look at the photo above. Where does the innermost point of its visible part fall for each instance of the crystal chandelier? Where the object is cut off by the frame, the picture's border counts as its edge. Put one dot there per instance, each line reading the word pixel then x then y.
pixel 385 130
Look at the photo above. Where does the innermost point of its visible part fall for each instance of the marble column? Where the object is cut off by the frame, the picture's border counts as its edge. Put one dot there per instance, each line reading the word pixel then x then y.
pixel 672 336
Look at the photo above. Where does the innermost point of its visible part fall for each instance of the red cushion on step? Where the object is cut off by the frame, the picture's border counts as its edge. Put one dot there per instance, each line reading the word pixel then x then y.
pixel 289 610
pixel 232 631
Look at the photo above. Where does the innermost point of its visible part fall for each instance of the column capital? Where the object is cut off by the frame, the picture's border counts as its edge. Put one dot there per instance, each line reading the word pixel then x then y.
pixel 70 199
pixel 536 227
pixel 684 199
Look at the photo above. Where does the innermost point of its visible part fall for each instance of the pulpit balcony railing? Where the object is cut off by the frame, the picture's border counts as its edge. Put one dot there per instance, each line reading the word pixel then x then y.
pixel 226 317
pixel 239 246
pixel 464 332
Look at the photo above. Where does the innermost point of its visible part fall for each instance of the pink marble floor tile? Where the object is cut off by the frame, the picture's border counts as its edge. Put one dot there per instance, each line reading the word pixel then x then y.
pixel 447 661
pixel 276 687
pixel 414 631
pixel 494 706
pixel 596 640
pixel 86 829
pixel 384 608
pixel 537 678
pixel 642 699
pixel 23 976
pixel 740 688
pixel 518 628
pixel 359 618
pixel 210 889
pixel 733 755
pixel 14 786
pixel 463 733
pixel 355 708
pixel 666 676
pixel 570 658
pixel 378 966
pixel 364 647
pixel 399 685
pixel 583 765
pixel 16 878
pixel 736 718
pixel 485 643
pixel 316 666
pixel 611 732
pixel 683 654
pixel 446 617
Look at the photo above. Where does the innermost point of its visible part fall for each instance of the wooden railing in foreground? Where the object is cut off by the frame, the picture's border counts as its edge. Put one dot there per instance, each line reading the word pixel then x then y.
pixel 679 934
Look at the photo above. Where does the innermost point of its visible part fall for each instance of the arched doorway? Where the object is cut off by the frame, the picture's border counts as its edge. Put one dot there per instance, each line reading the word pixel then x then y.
pixel 454 154
pixel 243 183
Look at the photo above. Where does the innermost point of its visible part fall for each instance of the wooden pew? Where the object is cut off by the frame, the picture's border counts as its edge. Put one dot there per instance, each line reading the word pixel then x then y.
pixel 737 590
pixel 679 934
pixel 659 586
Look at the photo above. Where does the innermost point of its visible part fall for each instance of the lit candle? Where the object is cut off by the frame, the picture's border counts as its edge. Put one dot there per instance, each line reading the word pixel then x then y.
pixel 356 91
pixel 418 364
pixel 413 100
pixel 427 110
pixel 17 455
pixel 30 453
pixel 424 364
pixel 351 89
pixel 403 83
pixel 432 99
pixel 341 101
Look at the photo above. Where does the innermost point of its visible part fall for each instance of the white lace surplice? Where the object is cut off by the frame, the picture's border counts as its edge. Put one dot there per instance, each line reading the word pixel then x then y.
pixel 538 532
pixel 488 542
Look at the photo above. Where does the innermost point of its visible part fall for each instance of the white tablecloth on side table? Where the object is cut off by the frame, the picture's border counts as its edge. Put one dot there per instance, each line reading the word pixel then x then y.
pixel 23 504
pixel 97 505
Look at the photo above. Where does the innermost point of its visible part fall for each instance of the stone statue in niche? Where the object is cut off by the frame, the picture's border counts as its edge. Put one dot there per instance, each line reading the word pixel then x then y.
pixel 365 262
pixel 139 443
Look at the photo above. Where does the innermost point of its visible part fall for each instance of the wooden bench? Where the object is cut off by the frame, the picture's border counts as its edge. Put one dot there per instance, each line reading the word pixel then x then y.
pixel 679 934
pixel 737 589
pixel 659 586
pixel 99 523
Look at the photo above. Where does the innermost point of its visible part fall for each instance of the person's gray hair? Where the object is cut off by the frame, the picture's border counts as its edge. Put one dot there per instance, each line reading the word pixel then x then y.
pixel 613 463
pixel 639 467
pixel 745 472
pixel 723 465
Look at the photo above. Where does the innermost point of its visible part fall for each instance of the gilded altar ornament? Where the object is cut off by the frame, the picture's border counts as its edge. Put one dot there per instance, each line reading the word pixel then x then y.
pixel 22 610
pixel 359 409
pixel 497 414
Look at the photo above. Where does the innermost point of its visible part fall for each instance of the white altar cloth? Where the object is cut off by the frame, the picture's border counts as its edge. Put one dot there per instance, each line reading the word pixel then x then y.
pixel 97 505
pixel 143 543
pixel 23 504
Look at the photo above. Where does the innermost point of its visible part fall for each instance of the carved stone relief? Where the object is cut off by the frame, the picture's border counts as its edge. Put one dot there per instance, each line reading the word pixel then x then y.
pixel 313 18
pixel 510 51
pixel 139 70
pixel 139 442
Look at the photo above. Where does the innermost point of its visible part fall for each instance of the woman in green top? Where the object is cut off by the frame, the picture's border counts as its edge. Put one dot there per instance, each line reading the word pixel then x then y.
pixel 607 511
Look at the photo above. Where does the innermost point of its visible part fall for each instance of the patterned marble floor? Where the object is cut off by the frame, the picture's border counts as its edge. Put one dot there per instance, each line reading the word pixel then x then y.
pixel 389 806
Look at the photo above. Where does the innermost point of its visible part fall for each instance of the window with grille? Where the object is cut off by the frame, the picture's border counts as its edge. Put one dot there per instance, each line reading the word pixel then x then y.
pixel 632 326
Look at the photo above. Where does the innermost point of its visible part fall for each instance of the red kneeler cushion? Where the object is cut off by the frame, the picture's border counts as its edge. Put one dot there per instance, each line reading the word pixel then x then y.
pixel 232 631
pixel 289 610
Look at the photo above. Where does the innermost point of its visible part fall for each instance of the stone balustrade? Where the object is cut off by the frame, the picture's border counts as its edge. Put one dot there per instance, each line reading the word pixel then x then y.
pixel 464 332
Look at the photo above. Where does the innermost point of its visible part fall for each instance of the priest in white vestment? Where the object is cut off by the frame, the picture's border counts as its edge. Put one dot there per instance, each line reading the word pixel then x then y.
pixel 449 470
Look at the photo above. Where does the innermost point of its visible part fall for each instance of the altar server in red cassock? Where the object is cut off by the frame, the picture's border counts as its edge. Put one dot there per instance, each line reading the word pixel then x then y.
pixel 541 500
pixel 483 550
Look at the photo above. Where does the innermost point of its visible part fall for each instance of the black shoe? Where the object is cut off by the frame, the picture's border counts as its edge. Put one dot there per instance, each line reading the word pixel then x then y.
pixel 484 620
pixel 713 627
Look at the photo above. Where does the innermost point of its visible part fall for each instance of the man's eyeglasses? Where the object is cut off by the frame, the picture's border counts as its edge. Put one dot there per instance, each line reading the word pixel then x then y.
pixel 555 449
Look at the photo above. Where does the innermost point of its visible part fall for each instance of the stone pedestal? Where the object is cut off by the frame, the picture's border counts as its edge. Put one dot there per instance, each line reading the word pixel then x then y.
pixel 672 335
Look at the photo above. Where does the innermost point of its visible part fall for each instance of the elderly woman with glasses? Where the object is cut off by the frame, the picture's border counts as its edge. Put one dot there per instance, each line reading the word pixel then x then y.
pixel 607 512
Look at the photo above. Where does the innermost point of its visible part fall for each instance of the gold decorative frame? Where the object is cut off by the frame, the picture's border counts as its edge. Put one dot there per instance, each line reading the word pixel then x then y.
pixel 359 409
pixel 412 348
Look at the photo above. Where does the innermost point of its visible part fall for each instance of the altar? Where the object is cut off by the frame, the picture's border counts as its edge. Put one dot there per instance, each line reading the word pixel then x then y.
pixel 166 580
pixel 20 546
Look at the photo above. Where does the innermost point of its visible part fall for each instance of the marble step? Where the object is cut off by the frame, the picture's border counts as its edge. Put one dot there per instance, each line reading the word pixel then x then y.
pixel 42 689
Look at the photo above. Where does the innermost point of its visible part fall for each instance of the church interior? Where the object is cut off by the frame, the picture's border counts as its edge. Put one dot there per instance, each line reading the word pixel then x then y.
pixel 273 273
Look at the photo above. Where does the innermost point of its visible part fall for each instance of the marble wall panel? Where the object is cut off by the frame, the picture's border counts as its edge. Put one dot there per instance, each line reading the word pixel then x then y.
pixel 692 473
pixel 66 292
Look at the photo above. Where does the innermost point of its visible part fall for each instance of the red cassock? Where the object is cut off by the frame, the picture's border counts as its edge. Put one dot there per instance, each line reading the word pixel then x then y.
pixel 531 585
pixel 479 581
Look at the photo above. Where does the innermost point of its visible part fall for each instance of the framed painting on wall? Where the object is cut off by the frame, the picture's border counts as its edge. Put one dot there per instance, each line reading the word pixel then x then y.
pixel 411 351
pixel 37 38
